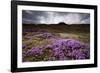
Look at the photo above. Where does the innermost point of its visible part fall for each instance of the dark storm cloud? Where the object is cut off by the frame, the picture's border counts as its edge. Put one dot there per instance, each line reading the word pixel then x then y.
pixel 38 17
pixel 31 16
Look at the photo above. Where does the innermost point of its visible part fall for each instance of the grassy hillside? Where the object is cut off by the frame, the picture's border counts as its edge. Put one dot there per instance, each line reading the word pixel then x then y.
pixel 37 37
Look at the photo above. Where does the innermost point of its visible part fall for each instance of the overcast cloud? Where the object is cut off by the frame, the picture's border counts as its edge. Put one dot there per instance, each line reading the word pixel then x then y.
pixel 47 17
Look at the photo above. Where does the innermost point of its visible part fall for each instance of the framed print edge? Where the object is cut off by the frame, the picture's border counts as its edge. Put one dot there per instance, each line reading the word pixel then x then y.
pixel 96 35
pixel 13 36
pixel 14 45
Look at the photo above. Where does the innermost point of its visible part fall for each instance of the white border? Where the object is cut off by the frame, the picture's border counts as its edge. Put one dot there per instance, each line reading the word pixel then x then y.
pixel 53 63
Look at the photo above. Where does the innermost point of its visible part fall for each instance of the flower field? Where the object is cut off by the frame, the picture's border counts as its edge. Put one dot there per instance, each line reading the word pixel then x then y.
pixel 55 42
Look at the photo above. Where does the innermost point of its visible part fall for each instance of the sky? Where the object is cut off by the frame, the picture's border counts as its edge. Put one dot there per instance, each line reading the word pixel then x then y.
pixel 52 17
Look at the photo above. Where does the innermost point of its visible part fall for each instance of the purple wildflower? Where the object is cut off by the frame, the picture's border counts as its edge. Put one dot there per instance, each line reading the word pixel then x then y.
pixel 47 35
pixel 24 46
pixel 58 52
pixel 34 51
pixel 71 48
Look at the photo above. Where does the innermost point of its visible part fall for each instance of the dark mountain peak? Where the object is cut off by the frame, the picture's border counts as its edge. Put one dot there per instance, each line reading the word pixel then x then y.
pixel 62 23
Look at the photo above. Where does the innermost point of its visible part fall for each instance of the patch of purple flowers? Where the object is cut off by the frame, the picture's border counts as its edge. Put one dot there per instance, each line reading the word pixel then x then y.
pixel 34 52
pixel 69 48
pixel 63 49
pixel 24 46
pixel 46 35
pixel 59 53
